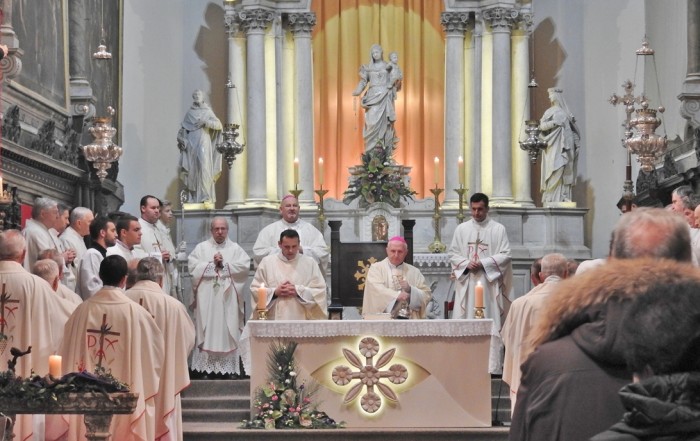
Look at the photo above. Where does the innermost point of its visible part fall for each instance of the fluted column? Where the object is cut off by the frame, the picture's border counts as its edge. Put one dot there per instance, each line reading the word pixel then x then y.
pixel 11 65
pixel 454 24
pixel 236 112
pixel 521 109
pixel 474 181
pixel 301 25
pixel 501 21
pixel 81 97
pixel 690 95
pixel 255 21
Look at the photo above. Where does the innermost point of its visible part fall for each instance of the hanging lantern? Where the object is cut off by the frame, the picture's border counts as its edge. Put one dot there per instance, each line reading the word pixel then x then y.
pixel 102 152
pixel 645 143
pixel 229 147
pixel 533 144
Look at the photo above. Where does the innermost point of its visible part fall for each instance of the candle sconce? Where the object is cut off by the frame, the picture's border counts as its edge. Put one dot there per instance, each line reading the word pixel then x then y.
pixel 321 213
pixel 461 191
pixel 437 246
pixel 296 192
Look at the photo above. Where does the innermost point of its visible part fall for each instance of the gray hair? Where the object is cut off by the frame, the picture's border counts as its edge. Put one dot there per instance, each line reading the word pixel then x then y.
pixel 78 213
pixel 685 194
pixel 149 268
pixel 54 255
pixel 652 232
pixel 41 204
pixel 12 244
pixel 47 269
pixel 218 218
pixel 554 264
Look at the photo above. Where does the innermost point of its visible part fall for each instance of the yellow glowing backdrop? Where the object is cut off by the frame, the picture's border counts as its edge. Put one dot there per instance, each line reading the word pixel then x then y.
pixel 343 35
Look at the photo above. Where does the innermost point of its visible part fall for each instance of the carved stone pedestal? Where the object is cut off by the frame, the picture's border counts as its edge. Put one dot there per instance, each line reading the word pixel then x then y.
pixel 97 408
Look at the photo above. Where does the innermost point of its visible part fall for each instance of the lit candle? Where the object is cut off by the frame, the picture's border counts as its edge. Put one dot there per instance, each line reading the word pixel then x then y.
pixel 437 171
pixel 460 167
pixel 1 184
pixel 320 171
pixel 262 297
pixel 296 171
pixel 479 295
pixel 55 366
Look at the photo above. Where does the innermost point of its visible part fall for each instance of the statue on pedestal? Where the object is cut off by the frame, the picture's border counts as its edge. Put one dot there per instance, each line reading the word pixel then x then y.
pixel 563 140
pixel 382 81
pixel 200 163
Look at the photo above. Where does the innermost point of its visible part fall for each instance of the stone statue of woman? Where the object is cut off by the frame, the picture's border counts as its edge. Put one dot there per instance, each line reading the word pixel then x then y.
pixel 381 80
pixel 559 131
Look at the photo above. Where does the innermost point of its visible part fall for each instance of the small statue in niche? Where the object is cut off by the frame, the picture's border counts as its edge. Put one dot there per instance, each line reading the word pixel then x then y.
pixel 380 229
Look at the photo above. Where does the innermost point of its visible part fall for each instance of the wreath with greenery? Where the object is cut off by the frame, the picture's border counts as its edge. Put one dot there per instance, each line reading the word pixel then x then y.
pixel 378 180
pixel 45 392
pixel 282 403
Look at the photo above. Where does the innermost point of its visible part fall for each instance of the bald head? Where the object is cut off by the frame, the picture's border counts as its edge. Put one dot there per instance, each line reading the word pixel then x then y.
pixel 651 232
pixel 12 246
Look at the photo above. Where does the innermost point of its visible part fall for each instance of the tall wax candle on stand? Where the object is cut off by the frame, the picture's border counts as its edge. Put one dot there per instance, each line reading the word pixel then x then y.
pixel 320 171
pixel 437 171
pixel 460 168
pixel 262 297
pixel 55 368
pixel 479 295
pixel 296 171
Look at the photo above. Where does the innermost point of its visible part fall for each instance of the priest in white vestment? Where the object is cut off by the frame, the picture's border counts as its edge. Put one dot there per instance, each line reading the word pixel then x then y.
pixel 48 269
pixel 112 332
pixel 152 240
pixel 128 236
pixel 312 243
pixel 480 252
pixel 73 238
pixel 103 234
pixel 219 269
pixel 178 333
pixel 36 229
pixel 171 272
pixel 395 287
pixel 292 283
pixel 523 316
pixel 31 314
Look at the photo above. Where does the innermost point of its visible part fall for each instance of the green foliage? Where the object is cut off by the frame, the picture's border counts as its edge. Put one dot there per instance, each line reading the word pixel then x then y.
pixel 379 180
pixel 281 404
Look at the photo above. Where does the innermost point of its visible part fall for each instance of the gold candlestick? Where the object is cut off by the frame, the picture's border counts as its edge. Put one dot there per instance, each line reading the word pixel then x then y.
pixel 461 191
pixel 437 246
pixel 321 213
pixel 261 314
pixel 296 192
pixel 479 312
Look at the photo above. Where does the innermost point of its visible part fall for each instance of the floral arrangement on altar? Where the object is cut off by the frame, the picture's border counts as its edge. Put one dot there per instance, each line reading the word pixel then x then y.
pixel 283 403
pixel 378 180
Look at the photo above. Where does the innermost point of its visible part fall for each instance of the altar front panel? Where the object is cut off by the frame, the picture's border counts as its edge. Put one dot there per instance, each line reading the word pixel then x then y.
pixel 447 384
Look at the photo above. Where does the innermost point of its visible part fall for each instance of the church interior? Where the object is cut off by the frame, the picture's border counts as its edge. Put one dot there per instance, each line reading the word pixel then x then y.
pixel 94 92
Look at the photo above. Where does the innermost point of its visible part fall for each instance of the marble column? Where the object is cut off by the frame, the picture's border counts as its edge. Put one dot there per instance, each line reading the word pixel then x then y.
pixel 81 97
pixel 301 25
pixel 11 65
pixel 454 24
pixel 235 112
pixel 255 21
pixel 501 22
pixel 690 95
pixel 474 170
pixel 521 109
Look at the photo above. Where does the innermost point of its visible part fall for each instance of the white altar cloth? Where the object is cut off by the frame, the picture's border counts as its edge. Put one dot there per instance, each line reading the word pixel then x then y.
pixel 448 363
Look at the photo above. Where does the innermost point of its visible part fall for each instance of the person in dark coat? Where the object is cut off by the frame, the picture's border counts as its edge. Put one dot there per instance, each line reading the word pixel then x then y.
pixel 661 332
pixel 569 384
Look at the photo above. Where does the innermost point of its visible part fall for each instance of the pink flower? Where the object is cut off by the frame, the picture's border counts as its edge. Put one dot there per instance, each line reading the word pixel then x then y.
pixel 275 398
